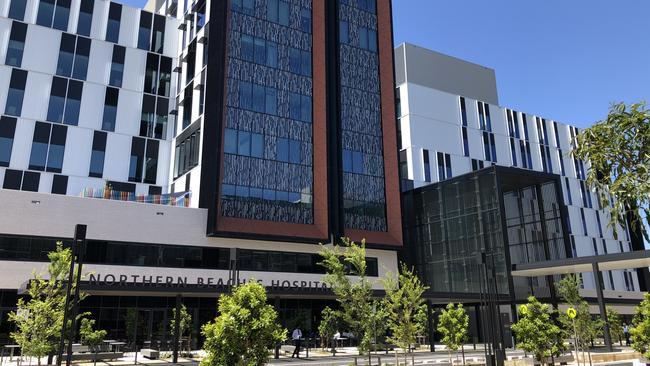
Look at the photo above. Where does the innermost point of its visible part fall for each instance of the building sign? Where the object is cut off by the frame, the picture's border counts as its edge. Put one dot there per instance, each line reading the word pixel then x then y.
pixel 122 280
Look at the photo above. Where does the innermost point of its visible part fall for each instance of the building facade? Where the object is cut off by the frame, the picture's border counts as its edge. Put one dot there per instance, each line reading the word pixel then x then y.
pixel 450 124
pixel 270 122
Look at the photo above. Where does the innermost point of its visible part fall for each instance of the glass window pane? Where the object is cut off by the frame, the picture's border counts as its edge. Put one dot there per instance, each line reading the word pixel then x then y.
pixel 357 162
pixel 271 101
pixel 283 13
pixel 257 145
pixel 271 54
pixel 372 40
pixel 259 97
pixel 244 144
pixel 45 13
pixel 62 15
pixel 17 9
pixel 230 141
pixel 85 17
pixel 245 95
pixel 247 52
pixel 260 51
pixel 305 108
pixel 66 55
pixel 14 103
pixel 113 26
pixel 73 103
pixel 294 106
pixel 57 100
pixel 363 38
pixel 343 32
pixel 295 60
pixel 306 63
pixel 282 147
pixel 272 11
pixel 295 148
pixel 158 39
pixel 81 58
pixel 144 31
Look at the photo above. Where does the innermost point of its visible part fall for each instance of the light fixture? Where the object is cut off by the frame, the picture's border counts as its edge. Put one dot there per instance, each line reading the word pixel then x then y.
pixel 159 213
pixel 36 202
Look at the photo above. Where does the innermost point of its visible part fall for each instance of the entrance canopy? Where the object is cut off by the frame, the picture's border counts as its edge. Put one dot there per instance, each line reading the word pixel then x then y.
pixel 606 262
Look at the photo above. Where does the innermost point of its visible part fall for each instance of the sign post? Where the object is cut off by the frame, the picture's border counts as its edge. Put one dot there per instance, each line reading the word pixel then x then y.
pixel 571 313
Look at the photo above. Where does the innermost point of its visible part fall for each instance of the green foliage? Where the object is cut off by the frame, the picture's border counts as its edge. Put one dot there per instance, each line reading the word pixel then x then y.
pixel 354 296
pixel 569 289
pixel 404 305
pixel 618 150
pixel 185 323
pixel 131 322
pixel 615 324
pixel 91 338
pixel 537 332
pixel 453 324
pixel 640 331
pixel 244 330
pixel 329 324
pixel 39 319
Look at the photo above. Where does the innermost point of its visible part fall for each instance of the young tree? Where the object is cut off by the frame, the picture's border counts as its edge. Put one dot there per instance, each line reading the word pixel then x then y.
pixel 353 295
pixel 404 304
pixel 453 323
pixel 618 151
pixel 91 338
pixel 184 326
pixel 246 328
pixel 328 326
pixel 640 331
pixel 39 319
pixel 537 332
pixel 615 324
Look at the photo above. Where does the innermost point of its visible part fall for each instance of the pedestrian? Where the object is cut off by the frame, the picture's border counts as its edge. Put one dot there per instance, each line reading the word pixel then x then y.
pixel 626 332
pixel 296 337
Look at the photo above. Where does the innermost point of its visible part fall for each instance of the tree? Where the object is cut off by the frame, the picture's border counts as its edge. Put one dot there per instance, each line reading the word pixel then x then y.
pixel 39 319
pixel 131 323
pixel 404 303
pixel 244 330
pixel 328 326
pixel 453 323
pixel 618 150
pixel 92 338
pixel 569 289
pixel 615 324
pixel 354 296
pixel 184 325
pixel 640 331
pixel 537 332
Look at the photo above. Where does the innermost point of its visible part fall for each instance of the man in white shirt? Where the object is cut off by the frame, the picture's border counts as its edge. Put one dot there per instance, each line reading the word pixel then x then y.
pixel 296 337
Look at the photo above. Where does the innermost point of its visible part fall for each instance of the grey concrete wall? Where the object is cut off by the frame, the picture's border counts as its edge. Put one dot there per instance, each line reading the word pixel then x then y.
pixel 417 65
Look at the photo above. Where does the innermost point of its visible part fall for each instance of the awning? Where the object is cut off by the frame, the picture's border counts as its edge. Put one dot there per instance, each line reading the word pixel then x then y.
pixel 606 262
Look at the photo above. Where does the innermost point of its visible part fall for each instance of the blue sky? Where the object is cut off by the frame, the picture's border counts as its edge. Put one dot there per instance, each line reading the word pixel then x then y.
pixel 562 59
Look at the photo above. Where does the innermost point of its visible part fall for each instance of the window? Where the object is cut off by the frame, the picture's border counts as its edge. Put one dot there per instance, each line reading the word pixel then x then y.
pixel 45 13
pixel 568 191
pixel 584 221
pixel 560 157
pixel 7 131
pixel 16 44
pixel 65 101
pixel 513 152
pixel 151 162
pixel 427 165
pixel 85 17
pixel 62 15
pixel 110 109
pixel 477 164
pixel 73 60
pixel 344 32
pixel 13 179
pixel 305 20
pixel 465 142
pixel 151 73
pixel 525 125
pixel 113 25
pixel 158 36
pixel 244 6
pixel 187 107
pixel 117 66
pixel 600 227
pixel 30 181
pixel 484 120
pixel 300 107
pixel 557 135
pixel 48 147
pixel 444 166
pixel 144 32
pixel 97 155
pixel 136 161
pixel 17 9
pixel 187 153
pixel 463 112
pixel 299 61
pixel 60 184
pixel 489 147
pixel 277 11
pixel 16 92
pixel 158 72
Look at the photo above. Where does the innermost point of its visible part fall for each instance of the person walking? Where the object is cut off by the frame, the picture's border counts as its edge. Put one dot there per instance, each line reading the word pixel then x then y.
pixel 296 336
pixel 626 332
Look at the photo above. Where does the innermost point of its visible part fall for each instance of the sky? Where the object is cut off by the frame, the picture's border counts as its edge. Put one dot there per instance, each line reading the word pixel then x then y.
pixel 566 60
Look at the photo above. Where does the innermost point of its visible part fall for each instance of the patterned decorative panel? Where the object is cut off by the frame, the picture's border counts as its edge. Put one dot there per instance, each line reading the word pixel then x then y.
pixel 269 85
pixel 364 195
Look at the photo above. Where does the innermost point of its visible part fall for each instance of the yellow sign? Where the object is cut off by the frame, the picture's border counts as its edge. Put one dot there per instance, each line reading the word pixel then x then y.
pixel 523 309
pixel 571 312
